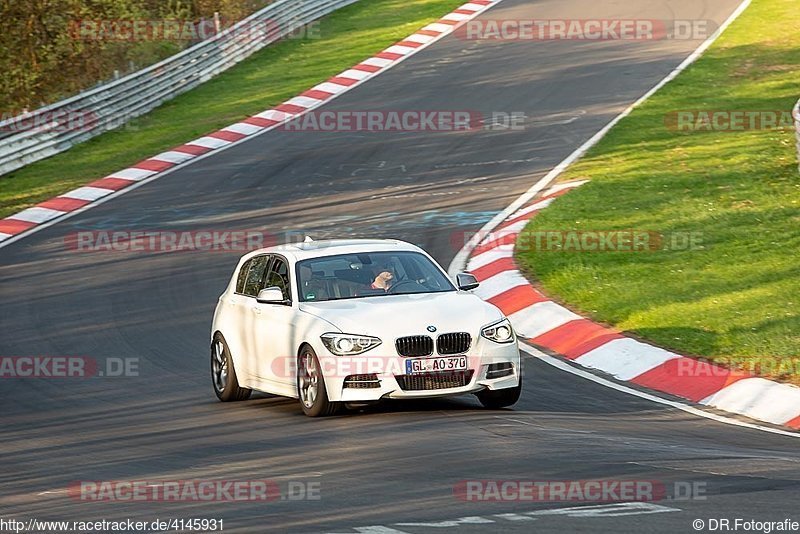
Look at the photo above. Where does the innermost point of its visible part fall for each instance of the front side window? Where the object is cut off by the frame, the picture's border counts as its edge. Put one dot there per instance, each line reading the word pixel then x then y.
pixel 255 274
pixel 278 276
pixel 370 274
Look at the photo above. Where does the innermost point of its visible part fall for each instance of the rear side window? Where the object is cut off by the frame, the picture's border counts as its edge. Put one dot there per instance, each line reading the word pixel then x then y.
pixel 255 274
pixel 240 280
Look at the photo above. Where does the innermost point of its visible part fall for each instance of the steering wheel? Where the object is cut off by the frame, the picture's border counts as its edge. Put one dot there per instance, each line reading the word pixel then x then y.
pixel 402 283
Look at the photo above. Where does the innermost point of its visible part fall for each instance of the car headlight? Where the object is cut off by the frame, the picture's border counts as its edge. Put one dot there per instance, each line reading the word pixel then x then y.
pixel 349 344
pixel 499 332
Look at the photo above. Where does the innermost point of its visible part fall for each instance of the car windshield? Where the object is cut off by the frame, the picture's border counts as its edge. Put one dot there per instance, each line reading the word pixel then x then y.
pixel 370 274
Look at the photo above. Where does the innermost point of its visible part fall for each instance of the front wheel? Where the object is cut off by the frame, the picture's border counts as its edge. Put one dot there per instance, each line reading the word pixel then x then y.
pixel 223 375
pixel 500 398
pixel 311 386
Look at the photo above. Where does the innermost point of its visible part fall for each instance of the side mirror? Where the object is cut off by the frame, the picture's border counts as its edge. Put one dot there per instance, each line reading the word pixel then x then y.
pixel 271 295
pixel 466 281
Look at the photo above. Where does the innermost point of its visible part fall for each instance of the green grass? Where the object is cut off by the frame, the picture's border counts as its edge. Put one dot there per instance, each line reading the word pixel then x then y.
pixel 266 79
pixel 736 300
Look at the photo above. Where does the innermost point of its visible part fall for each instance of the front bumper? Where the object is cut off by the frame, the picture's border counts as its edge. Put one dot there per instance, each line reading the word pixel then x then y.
pixel 387 368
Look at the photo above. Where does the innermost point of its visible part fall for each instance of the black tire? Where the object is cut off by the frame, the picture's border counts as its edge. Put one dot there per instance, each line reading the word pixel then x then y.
pixel 500 398
pixel 308 378
pixel 223 375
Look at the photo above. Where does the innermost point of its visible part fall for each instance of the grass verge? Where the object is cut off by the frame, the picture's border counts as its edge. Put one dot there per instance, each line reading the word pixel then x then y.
pixel 266 79
pixel 735 297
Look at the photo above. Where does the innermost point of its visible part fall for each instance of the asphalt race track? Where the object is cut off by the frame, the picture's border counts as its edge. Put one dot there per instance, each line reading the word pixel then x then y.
pixel 399 463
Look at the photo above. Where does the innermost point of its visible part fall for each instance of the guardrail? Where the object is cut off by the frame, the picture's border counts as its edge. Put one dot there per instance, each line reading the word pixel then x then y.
pixel 88 114
pixel 796 115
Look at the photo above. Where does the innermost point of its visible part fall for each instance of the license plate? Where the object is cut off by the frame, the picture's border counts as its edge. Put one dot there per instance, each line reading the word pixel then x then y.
pixel 436 365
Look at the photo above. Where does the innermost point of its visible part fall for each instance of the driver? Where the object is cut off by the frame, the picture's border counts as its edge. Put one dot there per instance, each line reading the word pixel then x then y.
pixel 384 278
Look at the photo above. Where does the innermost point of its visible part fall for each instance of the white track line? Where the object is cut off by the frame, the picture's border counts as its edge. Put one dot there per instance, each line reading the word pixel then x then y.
pixel 461 258
pixel 564 366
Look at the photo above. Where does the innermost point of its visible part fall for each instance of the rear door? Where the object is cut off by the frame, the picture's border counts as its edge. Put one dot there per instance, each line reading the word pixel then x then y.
pixel 248 283
pixel 273 331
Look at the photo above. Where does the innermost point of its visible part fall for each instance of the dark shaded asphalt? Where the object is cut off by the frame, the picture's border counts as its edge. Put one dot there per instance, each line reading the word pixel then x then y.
pixel 392 465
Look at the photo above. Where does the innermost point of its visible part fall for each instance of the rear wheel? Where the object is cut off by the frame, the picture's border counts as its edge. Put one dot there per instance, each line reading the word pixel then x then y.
pixel 311 386
pixel 223 375
pixel 500 398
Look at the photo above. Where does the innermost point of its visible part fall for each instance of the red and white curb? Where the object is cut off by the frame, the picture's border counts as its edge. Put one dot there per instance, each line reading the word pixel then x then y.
pixel 543 323
pixel 44 214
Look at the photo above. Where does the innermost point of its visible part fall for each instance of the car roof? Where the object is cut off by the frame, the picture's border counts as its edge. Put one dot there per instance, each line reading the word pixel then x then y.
pixel 331 247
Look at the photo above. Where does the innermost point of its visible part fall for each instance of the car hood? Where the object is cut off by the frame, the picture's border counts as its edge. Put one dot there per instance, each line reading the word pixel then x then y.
pixel 392 316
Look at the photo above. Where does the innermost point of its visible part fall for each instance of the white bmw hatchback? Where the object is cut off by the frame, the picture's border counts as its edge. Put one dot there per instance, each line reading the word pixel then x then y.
pixel 356 321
